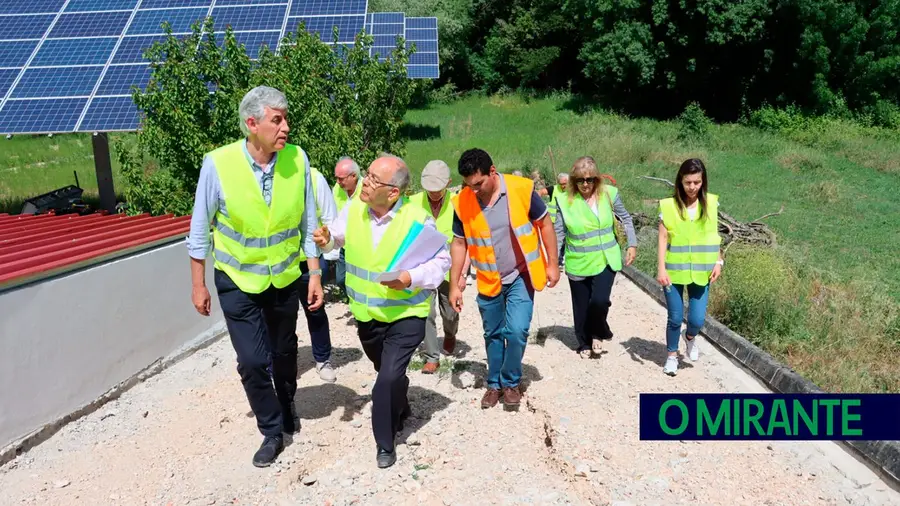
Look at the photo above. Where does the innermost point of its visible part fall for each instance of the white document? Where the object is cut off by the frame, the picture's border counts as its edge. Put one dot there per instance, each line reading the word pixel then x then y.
pixel 427 244
pixel 423 249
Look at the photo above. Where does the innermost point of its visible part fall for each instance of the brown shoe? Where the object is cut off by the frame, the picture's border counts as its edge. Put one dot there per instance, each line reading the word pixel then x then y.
pixel 449 344
pixel 430 367
pixel 490 399
pixel 512 396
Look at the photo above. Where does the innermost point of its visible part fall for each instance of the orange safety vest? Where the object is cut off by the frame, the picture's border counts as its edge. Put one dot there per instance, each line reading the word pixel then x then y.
pixel 478 235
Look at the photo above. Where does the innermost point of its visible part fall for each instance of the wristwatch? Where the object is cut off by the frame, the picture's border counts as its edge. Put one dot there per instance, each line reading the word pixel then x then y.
pixel 315 272
pixel 720 262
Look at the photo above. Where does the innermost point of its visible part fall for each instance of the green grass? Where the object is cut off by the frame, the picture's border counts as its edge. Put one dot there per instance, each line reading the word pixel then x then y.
pixel 840 206
pixel 33 165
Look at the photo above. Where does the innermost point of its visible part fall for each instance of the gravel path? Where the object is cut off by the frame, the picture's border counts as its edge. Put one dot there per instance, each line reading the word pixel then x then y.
pixel 185 436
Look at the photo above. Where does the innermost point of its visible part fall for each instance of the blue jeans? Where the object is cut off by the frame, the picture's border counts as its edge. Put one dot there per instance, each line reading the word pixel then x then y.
pixel 506 318
pixel 698 296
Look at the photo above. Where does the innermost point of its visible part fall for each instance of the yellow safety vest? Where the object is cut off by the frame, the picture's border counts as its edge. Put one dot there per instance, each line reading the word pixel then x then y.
pixel 590 239
pixel 369 299
pixel 551 205
pixel 340 196
pixel 444 221
pixel 693 247
pixel 258 245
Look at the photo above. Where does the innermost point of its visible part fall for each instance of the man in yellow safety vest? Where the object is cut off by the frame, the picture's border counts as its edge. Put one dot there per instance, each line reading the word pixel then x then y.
pixel 257 195
pixel 346 171
pixel 436 200
pixel 390 308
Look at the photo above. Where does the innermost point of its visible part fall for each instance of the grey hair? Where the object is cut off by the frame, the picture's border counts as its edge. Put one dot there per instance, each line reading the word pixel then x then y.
pixel 561 176
pixel 254 104
pixel 354 167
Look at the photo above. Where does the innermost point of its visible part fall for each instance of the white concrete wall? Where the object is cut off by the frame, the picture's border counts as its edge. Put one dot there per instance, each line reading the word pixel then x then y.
pixel 66 341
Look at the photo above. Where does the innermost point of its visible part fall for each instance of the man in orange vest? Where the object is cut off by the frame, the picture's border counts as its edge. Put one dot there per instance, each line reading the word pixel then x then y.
pixel 500 223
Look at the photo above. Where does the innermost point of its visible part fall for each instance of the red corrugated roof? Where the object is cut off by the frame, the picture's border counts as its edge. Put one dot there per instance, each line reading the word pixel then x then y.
pixel 36 245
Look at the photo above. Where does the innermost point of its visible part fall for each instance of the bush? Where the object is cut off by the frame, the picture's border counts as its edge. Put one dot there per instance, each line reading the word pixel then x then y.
pixel 341 102
pixel 693 123
pixel 762 296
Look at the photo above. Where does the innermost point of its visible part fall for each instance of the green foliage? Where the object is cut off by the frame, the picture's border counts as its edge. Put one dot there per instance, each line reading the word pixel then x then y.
pixel 339 104
pixel 694 125
pixel 832 57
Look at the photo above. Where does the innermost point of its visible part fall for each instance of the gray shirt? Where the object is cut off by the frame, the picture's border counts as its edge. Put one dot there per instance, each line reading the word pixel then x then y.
pixel 210 199
pixel 618 209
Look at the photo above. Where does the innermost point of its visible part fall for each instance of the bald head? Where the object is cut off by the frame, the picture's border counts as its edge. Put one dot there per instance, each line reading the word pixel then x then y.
pixel 387 181
pixel 347 173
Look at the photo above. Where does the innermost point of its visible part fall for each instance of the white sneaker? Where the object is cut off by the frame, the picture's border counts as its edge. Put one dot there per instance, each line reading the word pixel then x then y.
pixel 671 367
pixel 693 349
pixel 326 372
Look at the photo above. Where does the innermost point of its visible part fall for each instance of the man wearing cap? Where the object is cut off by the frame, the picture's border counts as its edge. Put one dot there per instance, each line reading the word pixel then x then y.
pixel 435 199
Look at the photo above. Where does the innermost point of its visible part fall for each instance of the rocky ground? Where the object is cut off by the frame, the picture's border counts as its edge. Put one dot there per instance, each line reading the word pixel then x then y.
pixel 186 436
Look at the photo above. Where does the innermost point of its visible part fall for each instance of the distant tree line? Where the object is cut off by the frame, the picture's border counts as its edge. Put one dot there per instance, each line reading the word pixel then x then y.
pixel 837 57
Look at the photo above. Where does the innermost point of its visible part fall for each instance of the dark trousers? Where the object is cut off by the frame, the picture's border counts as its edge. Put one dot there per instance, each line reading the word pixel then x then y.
pixel 590 307
pixel 316 321
pixel 390 346
pixel 263 334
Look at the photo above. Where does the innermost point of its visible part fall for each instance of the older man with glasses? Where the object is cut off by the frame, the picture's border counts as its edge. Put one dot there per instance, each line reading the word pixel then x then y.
pixel 390 311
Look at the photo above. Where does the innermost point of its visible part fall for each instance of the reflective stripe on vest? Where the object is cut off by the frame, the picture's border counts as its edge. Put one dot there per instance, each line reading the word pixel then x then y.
pixel 480 243
pixel 370 299
pixel 444 220
pixel 693 246
pixel 257 245
pixel 590 239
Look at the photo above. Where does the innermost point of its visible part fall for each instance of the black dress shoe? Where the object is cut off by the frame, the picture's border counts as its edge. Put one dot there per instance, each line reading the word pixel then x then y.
pixel 291 421
pixel 268 451
pixel 386 458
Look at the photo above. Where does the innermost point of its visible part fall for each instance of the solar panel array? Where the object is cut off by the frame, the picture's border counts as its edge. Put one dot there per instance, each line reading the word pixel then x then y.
pixel 68 65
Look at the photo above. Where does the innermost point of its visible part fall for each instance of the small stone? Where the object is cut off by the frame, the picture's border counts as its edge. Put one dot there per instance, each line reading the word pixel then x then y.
pixel 582 470
pixel 607 456
pixel 308 480
pixel 436 430
pixel 551 497
pixel 564 421
pixel 62 484
pixel 322 443
pixel 411 486
pixel 356 423
pixel 466 380
pixel 595 468
pixel 413 440
pixel 769 447
pixel 347 483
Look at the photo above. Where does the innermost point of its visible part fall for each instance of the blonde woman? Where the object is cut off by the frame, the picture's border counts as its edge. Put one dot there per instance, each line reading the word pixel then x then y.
pixel 688 256
pixel 585 217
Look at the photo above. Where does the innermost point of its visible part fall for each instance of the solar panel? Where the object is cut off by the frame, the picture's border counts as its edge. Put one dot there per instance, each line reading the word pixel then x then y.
pixel 385 27
pixel 69 65
pixel 424 63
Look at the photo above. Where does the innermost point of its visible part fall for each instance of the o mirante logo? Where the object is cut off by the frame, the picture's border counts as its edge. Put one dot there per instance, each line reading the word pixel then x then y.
pixel 769 416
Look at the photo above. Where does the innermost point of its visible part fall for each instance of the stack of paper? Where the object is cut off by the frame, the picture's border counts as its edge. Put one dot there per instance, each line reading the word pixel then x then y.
pixel 419 246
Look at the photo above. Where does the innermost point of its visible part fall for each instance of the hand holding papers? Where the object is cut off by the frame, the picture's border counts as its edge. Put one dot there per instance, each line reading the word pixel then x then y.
pixel 419 246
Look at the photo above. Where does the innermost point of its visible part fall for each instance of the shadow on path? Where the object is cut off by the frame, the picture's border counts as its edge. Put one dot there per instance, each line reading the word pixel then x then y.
pixel 641 350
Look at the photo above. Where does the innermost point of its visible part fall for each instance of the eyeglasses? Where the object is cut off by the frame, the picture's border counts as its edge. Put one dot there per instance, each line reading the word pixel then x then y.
pixel 375 183
pixel 586 180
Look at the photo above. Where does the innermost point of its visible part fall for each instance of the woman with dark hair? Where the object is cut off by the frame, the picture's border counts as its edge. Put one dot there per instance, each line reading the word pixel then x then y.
pixel 688 256
pixel 585 220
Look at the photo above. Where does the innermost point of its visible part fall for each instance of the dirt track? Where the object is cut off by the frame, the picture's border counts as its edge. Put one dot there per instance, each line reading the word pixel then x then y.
pixel 185 437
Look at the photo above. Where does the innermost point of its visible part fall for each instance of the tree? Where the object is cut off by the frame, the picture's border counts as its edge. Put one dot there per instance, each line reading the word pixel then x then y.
pixel 341 103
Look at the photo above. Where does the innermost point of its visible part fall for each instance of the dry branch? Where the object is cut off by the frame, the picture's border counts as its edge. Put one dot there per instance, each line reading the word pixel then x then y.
pixel 660 180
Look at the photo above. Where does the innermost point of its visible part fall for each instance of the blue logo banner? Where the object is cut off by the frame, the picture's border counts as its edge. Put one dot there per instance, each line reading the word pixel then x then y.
pixel 676 416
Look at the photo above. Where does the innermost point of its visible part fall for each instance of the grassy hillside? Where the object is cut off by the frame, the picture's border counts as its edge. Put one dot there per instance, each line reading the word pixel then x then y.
pixel 825 300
